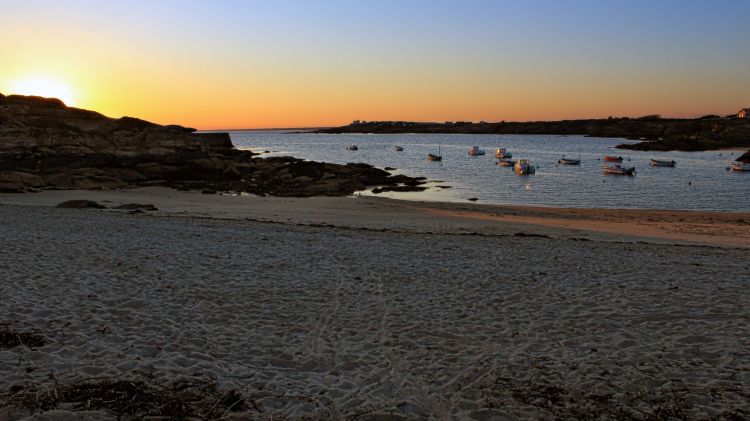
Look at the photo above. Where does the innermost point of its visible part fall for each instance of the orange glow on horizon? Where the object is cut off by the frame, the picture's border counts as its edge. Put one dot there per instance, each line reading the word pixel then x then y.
pixel 236 65
pixel 44 87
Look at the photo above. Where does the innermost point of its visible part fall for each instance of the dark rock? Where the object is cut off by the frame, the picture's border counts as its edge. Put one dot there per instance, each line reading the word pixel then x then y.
pixel 214 141
pixel 131 123
pixel 80 204
pixel 398 189
pixel 745 157
pixel 389 169
pixel 137 206
pixel 46 145
pixel 35 101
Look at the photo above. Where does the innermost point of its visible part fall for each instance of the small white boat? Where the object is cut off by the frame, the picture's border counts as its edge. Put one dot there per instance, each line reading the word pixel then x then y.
pixel 568 161
pixel 662 163
pixel 506 163
pixel 475 151
pixel 740 166
pixel 618 170
pixel 352 147
pixel 524 167
pixel 502 153
pixel 398 148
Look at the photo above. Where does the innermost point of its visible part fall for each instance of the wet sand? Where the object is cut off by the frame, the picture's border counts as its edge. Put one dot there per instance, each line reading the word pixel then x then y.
pixel 360 308
pixel 729 229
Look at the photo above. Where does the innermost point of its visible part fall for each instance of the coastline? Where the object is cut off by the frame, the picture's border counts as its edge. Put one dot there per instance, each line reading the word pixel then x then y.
pixel 362 308
pixel 726 229
pixel 653 132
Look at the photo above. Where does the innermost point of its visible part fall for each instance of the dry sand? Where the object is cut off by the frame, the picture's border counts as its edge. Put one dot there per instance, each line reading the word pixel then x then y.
pixel 394 313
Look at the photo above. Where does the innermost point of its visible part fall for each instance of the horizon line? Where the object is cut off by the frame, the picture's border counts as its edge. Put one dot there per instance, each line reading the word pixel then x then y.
pixel 696 117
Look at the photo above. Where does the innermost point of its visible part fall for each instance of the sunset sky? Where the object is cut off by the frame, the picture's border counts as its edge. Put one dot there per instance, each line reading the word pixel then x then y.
pixel 251 64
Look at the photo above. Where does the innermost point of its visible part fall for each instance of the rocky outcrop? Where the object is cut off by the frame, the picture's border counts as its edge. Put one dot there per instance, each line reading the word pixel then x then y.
pixel 46 145
pixel 657 133
pixel 80 204
pixel 745 157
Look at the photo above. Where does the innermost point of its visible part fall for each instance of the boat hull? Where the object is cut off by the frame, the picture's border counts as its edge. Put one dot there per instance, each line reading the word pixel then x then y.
pixel 475 151
pixel 432 157
pixel 660 163
pixel 619 171
pixel 740 166
pixel 523 167
pixel 612 158
pixel 502 154
pixel 564 161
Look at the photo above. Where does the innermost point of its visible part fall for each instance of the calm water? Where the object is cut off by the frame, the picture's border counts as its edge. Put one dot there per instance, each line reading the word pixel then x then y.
pixel 712 186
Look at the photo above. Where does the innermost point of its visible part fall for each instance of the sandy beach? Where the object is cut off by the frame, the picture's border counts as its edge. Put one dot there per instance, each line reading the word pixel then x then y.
pixel 368 308
pixel 728 229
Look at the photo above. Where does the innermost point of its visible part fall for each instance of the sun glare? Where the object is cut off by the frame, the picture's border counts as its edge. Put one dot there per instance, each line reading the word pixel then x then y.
pixel 49 88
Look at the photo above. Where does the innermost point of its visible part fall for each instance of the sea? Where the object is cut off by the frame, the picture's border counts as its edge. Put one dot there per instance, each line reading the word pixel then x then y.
pixel 699 181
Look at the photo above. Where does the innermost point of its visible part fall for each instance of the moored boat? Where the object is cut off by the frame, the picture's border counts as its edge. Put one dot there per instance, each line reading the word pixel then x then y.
pixel 618 170
pixel 433 157
pixel 502 153
pixel 524 167
pixel 568 161
pixel 398 148
pixel 506 163
pixel 352 147
pixel 475 151
pixel 740 166
pixel 662 163
pixel 610 158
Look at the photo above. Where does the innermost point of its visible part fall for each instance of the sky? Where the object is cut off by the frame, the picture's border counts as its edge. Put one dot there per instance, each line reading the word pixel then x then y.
pixel 280 63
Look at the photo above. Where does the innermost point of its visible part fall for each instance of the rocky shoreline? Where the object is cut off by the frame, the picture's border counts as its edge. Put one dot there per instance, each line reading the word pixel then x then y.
pixel 47 145
pixel 656 134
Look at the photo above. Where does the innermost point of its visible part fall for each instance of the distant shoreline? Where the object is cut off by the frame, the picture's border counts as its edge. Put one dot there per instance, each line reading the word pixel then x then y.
pixel 655 133
pixel 275 129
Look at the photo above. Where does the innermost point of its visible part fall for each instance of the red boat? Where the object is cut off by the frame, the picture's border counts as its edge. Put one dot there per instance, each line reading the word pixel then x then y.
pixel 610 158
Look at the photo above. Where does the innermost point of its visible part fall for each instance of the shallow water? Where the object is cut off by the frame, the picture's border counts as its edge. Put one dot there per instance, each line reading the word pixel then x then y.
pixel 700 181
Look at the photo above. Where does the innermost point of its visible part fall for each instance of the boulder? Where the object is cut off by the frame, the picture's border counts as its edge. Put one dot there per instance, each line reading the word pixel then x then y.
pixel 80 204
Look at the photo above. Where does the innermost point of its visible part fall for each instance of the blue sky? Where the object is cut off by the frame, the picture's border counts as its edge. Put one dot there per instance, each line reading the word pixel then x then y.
pixel 574 58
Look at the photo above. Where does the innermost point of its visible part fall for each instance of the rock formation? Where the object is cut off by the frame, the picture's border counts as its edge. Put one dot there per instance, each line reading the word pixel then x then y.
pixel 47 145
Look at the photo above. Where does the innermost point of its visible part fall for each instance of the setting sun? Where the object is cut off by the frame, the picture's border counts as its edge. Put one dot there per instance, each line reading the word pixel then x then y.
pixel 45 87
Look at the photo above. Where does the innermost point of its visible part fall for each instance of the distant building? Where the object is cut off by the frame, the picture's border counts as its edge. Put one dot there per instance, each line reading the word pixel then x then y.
pixel 744 113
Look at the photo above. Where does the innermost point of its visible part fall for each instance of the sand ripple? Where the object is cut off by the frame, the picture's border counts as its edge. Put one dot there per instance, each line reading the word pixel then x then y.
pixel 331 323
